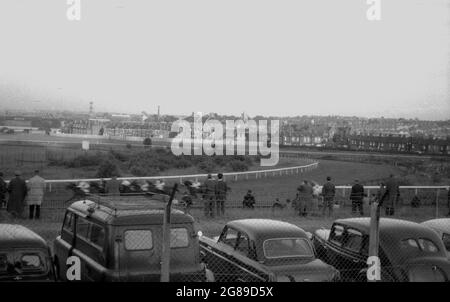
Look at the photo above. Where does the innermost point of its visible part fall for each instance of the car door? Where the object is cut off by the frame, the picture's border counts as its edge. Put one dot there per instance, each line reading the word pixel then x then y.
pixel 220 256
pixel 333 247
pixel 354 254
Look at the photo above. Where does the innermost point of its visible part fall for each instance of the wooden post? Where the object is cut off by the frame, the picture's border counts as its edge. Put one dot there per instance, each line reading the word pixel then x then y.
pixel 437 203
pixel 165 253
pixel 374 233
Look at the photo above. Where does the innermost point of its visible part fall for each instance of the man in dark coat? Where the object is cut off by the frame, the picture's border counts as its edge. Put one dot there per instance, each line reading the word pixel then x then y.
pixel 210 188
pixel 328 193
pixel 305 194
pixel 3 191
pixel 448 201
pixel 357 196
pixel 17 192
pixel 221 195
pixel 392 195
pixel 249 200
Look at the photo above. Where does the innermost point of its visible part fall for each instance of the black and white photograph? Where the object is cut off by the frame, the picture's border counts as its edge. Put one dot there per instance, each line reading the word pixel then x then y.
pixel 224 146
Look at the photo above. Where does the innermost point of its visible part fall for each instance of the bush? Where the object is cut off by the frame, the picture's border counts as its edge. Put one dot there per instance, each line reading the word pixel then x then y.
pixel 238 166
pixel 207 166
pixel 107 169
pixel 147 141
pixel 120 156
pixel 85 160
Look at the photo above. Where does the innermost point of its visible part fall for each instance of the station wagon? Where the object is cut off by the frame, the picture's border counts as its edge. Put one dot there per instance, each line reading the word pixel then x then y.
pixel 120 239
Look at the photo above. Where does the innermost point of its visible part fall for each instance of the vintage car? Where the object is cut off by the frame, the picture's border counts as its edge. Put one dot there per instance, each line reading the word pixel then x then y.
pixel 408 251
pixel 119 238
pixel 442 227
pixel 24 255
pixel 252 250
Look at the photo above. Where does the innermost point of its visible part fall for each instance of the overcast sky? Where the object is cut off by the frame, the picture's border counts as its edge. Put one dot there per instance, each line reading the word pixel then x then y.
pixel 274 57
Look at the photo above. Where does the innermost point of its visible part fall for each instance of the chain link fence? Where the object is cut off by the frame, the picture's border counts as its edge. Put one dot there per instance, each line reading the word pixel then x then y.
pixel 250 241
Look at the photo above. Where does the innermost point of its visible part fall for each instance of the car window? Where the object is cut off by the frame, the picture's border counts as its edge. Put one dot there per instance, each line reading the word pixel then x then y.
pixel 138 240
pixel 287 247
pixel 337 234
pixel 242 244
pixel 31 262
pixel 82 226
pixel 428 246
pixel 68 222
pixel 409 246
pixel 229 237
pixel 354 241
pixel 179 237
pixel 446 240
pixel 97 235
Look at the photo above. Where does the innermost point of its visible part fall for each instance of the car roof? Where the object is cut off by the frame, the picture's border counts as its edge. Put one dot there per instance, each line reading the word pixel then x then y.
pixel 392 231
pixel 267 228
pixel 16 236
pixel 131 210
pixel 441 224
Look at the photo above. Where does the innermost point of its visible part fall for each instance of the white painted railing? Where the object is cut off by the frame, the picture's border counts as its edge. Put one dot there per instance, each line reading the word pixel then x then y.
pixel 235 175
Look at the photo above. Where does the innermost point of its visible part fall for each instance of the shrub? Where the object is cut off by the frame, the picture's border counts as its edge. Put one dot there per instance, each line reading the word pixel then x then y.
pixel 107 169
pixel 147 141
pixel 85 160
pixel 238 166
pixel 207 166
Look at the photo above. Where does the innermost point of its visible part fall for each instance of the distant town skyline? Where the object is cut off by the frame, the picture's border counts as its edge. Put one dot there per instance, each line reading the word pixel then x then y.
pixel 261 57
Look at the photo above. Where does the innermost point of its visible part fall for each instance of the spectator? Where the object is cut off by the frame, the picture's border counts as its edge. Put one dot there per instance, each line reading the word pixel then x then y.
pixel 187 200
pixel 381 194
pixel 17 190
pixel 210 188
pixel 36 189
pixel 221 195
pixel 249 200
pixel 278 204
pixel 113 186
pixel 392 196
pixel 305 196
pixel 328 193
pixel 448 201
pixel 356 196
pixel 3 191
pixel 415 202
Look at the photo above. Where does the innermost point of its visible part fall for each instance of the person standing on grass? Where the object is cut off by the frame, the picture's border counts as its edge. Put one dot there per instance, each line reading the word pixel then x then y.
pixel 357 196
pixel 210 188
pixel 36 189
pixel 17 190
pixel 448 201
pixel 249 200
pixel 112 186
pixel 305 196
pixel 328 193
pixel 393 192
pixel 221 195
pixel 3 191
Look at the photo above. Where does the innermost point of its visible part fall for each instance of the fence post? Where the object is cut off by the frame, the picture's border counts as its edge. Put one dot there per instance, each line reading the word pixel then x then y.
pixel 437 203
pixel 165 256
pixel 373 259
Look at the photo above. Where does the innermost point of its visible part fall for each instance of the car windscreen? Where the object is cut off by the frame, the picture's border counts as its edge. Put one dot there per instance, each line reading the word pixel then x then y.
pixel 287 247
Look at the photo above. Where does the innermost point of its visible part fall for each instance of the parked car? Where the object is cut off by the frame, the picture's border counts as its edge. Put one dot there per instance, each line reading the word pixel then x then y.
pixel 442 227
pixel 119 238
pixel 264 250
pixel 24 255
pixel 408 251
